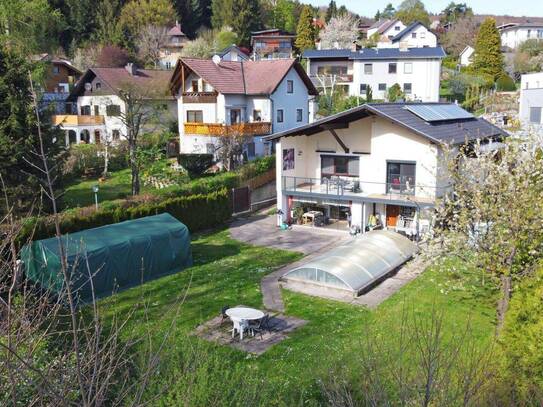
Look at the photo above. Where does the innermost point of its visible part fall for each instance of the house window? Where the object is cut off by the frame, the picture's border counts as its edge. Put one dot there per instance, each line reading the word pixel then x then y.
pixel 260 44
pixel 195 86
pixel 332 70
pixel 401 177
pixel 195 116
pixel 390 37
pixel 368 69
pixel 392 67
pixel 407 88
pixel 257 115
pixel 235 116
pixel 113 110
pixel 363 88
pixel 535 115
pixel 251 149
pixel 299 115
pixel 56 70
pixel 423 35
pixel 413 35
pixel 337 165
pixel 397 28
pixel 290 86
pixel 96 110
pixel 85 110
pixel 284 44
pixel 280 116
pixel 382 86
pixel 116 135
pixel 408 67
pixel 529 33
pixel 168 65
pixel 98 85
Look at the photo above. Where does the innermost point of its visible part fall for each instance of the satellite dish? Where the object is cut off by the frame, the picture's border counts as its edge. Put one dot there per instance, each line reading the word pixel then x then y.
pixel 216 59
pixel 88 86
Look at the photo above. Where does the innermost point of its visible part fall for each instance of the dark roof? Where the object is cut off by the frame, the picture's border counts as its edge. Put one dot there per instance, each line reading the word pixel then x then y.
pixel 271 31
pixel 407 30
pixel 455 131
pixel 242 77
pixel 376 53
pixel 522 25
pixel 382 25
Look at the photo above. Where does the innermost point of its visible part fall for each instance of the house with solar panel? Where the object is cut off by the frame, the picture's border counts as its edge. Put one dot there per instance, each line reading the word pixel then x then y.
pixel 219 98
pixel 374 166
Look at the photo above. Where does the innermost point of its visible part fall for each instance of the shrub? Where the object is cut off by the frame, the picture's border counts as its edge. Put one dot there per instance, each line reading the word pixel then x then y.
pixel 395 93
pixel 195 164
pixel 505 83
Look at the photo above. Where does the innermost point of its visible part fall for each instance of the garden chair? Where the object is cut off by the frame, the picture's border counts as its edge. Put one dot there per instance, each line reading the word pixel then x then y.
pixel 223 314
pixel 262 325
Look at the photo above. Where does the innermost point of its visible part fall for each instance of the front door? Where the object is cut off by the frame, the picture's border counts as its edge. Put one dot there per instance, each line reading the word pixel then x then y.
pixel 393 211
pixel 235 116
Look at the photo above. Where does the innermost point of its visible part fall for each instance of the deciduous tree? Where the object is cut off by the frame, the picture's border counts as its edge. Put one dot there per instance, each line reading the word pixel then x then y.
pixel 138 14
pixel 340 32
pixel 410 11
pixel 151 41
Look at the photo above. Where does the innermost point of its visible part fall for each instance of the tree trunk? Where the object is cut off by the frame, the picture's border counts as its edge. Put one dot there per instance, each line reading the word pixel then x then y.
pixel 106 159
pixel 503 304
pixel 134 168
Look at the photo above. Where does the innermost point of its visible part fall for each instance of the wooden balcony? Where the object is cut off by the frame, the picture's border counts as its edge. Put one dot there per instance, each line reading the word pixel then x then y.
pixel 77 120
pixel 199 97
pixel 216 129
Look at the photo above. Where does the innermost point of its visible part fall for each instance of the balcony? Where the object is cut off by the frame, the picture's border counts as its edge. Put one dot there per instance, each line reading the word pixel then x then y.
pixel 348 188
pixel 217 129
pixel 199 97
pixel 77 120
pixel 340 78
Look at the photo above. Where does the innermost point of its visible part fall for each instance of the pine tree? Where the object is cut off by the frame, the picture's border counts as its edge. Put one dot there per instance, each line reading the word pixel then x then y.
pixel 222 13
pixel 331 11
pixel 246 19
pixel 306 33
pixel 488 58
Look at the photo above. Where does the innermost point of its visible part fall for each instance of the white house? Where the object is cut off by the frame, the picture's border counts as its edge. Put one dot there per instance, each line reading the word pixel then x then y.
pixel 466 56
pixel 96 107
pixel 416 70
pixel 171 50
pixel 234 53
pixel 415 35
pixel 218 98
pixel 531 101
pixel 386 29
pixel 512 35
pixel 380 163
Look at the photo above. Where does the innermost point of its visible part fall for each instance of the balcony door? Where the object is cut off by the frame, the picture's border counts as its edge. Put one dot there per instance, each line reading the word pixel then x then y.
pixel 235 116
pixel 339 166
pixel 401 177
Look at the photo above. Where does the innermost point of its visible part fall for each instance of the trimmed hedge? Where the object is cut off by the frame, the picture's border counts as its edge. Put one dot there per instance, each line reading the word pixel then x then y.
pixel 197 212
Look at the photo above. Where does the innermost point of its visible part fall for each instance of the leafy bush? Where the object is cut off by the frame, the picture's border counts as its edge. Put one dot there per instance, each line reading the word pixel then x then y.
pixel 505 83
pixel 195 164
pixel 88 159
pixel 395 93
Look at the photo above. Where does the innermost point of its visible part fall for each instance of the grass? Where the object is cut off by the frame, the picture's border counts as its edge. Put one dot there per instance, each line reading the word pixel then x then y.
pixel 227 272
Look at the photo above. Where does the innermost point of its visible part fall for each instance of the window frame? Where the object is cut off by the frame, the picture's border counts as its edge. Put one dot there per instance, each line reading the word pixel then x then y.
pixel 402 184
pixel 405 70
pixel 392 64
pixel 379 87
pixel 115 113
pixel 370 65
pixel 365 87
pixel 280 115
pixel 348 158
pixel 404 88
pixel 299 115
pixel 290 86
pixel 195 113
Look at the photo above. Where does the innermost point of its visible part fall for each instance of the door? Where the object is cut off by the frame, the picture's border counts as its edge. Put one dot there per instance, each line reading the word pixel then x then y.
pixel 97 136
pixel 393 211
pixel 235 116
pixel 96 110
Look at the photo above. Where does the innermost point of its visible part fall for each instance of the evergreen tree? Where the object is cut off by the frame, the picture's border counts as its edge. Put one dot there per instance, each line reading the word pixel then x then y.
pixel 388 11
pixel 246 19
pixel 108 29
pixel 488 58
pixel 377 16
pixel 331 11
pixel 306 33
pixel 222 13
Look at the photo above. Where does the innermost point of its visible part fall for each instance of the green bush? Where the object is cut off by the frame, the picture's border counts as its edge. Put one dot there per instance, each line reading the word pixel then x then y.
pixel 395 93
pixel 88 159
pixel 521 338
pixel 197 212
pixel 195 164
pixel 505 84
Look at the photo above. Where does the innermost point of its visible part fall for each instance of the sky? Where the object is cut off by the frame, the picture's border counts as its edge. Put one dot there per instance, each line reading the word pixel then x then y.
pixel 368 8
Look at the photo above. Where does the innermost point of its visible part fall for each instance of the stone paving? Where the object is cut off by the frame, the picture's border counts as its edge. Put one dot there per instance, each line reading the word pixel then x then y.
pixel 219 331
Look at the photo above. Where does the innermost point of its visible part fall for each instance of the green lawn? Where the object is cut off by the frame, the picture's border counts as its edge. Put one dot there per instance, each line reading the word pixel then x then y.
pixel 227 272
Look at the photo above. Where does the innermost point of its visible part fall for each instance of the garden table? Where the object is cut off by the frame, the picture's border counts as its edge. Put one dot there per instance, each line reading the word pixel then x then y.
pixel 241 316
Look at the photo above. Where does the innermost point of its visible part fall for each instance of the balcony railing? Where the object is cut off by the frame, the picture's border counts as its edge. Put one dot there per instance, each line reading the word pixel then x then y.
pixel 352 187
pixel 217 129
pixel 199 97
pixel 77 120
pixel 328 78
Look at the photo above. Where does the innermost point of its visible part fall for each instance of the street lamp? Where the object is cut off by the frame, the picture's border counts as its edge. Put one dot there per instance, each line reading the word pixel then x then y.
pixel 95 189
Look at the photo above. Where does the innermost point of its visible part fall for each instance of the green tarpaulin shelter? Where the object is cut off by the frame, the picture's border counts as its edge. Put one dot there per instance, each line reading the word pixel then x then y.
pixel 118 256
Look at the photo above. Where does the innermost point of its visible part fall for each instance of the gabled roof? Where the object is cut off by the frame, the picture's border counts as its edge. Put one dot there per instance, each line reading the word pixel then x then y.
pixel 386 25
pixel 455 131
pixel 176 30
pixel 407 30
pixel 241 77
pixel 236 48
pixel 45 57
pixel 375 53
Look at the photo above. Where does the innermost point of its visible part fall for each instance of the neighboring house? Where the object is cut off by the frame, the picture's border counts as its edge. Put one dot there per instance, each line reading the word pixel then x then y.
pixel 219 98
pixel 531 101
pixel 416 70
pixel 59 78
pixel 96 108
pixel 376 161
pixel 416 35
pixel 171 51
pixel 272 44
pixel 512 35
pixel 234 53
pixel 385 29
pixel 466 56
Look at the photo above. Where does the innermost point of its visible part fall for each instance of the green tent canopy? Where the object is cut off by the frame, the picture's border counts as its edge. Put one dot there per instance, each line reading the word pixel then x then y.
pixel 118 256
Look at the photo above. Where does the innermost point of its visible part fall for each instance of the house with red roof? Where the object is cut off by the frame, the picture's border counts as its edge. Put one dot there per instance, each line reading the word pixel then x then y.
pixel 95 109
pixel 221 98
pixel 171 51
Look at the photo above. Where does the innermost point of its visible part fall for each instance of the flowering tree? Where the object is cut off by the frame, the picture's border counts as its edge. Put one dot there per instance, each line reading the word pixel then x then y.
pixel 151 40
pixel 340 32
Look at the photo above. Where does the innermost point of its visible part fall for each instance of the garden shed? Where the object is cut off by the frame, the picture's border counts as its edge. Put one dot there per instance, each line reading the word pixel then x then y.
pixel 117 256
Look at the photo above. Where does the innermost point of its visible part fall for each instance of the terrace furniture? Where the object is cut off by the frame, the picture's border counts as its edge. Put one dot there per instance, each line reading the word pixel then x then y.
pixel 261 326
pixel 241 317
pixel 223 313
pixel 310 216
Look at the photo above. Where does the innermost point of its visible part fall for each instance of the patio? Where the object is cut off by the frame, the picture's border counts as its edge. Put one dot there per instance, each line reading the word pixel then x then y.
pixel 219 330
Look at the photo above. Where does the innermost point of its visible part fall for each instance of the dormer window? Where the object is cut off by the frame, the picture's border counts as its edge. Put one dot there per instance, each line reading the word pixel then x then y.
pixel 98 86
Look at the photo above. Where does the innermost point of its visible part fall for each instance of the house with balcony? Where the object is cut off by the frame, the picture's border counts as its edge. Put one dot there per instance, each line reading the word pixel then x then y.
pixel 376 165
pixel 531 101
pixel 250 99
pixel 353 71
pixel 95 109
pixel 272 44
pixel 171 50
pixel 514 34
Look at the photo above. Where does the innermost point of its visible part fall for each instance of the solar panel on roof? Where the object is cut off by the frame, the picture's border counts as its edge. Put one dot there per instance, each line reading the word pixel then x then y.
pixel 434 113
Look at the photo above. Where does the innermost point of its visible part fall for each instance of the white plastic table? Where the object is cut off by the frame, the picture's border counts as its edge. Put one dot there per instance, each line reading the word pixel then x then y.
pixel 241 316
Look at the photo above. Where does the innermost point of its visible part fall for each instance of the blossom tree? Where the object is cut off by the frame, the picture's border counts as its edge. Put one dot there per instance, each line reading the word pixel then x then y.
pixel 340 32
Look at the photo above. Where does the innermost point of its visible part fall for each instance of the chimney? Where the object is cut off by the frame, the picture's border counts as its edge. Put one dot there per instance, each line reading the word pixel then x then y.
pixel 131 69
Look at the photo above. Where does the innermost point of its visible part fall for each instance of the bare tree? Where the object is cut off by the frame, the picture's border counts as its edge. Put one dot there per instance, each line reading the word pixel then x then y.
pixel 462 34
pixel 229 148
pixel 150 44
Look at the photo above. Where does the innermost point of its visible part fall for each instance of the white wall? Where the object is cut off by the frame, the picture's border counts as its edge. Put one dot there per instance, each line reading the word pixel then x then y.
pixel 531 95
pixel 111 122
pixel 466 56
pixel 423 38
pixel 515 36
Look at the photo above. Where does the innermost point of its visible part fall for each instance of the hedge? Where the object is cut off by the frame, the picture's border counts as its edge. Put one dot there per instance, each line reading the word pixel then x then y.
pixel 197 212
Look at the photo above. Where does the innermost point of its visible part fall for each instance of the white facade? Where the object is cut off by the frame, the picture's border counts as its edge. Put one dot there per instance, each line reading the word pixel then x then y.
pixel 419 78
pixel 531 101
pixel 390 32
pixel 513 36
pixel 466 56
pixel 417 37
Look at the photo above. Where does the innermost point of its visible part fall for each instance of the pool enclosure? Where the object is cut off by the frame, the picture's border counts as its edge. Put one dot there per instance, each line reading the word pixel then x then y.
pixel 110 258
pixel 353 267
